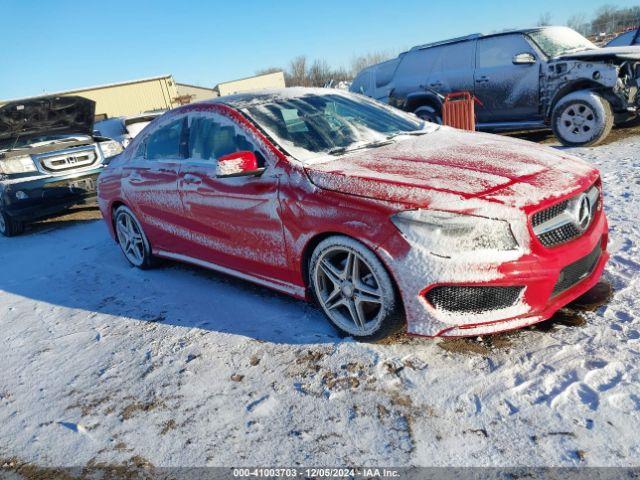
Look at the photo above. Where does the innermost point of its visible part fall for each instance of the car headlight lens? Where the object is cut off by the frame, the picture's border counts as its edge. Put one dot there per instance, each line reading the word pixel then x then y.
pixel 110 148
pixel 446 233
pixel 20 164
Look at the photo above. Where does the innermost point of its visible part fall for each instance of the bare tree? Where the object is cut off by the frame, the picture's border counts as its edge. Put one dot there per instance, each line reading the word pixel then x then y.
pixel 319 74
pixel 265 71
pixel 579 23
pixel 297 76
pixel 363 61
pixel 544 19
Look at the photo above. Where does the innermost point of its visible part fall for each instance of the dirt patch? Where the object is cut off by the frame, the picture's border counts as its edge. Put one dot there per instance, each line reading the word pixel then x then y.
pixel 169 425
pixel 599 295
pixel 133 408
pixel 546 136
pixel 477 345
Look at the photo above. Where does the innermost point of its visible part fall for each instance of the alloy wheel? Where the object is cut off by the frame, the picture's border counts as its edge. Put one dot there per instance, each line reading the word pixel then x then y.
pixel 130 238
pixel 578 123
pixel 348 291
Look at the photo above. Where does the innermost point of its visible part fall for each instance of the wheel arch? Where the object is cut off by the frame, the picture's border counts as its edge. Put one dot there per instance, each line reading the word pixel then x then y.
pixel 572 87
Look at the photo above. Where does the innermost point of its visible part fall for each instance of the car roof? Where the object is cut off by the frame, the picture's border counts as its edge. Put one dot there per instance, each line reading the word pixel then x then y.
pixel 476 36
pixel 240 100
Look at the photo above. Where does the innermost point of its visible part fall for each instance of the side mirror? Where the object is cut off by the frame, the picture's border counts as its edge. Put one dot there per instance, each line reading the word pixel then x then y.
pixel 524 59
pixel 238 164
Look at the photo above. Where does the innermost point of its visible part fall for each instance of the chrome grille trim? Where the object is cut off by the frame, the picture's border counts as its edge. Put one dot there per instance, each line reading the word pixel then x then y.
pixel 62 161
pixel 567 219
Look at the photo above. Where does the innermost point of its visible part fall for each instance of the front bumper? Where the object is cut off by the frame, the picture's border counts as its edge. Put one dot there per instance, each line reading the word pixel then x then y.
pixel 537 273
pixel 30 198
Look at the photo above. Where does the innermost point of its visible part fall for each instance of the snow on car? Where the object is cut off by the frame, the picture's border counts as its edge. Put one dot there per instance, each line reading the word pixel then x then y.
pixel 105 366
pixel 378 216
pixel 524 79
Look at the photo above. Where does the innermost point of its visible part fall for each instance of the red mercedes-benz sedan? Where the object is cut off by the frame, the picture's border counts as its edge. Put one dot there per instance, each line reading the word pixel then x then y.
pixel 379 217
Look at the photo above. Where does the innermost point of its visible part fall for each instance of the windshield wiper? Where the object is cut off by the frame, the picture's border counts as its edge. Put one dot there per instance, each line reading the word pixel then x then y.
pixel 414 133
pixel 341 150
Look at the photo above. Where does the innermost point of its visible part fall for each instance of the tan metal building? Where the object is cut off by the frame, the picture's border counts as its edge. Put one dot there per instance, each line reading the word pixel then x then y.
pixel 193 93
pixel 137 96
pixel 258 82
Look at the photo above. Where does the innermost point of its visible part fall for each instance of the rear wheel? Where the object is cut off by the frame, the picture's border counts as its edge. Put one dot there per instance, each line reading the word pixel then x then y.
pixel 132 240
pixel 429 114
pixel 354 289
pixel 8 226
pixel 582 119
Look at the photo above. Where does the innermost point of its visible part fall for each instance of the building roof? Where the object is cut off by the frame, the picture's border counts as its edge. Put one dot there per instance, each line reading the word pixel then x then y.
pixel 95 87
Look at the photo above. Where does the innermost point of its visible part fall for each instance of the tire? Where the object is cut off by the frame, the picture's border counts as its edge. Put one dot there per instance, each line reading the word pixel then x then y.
pixel 132 239
pixel 429 114
pixel 582 119
pixel 354 289
pixel 10 227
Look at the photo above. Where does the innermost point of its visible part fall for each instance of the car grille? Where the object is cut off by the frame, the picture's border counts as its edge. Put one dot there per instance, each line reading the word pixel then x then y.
pixel 69 160
pixel 467 299
pixel 577 271
pixel 566 220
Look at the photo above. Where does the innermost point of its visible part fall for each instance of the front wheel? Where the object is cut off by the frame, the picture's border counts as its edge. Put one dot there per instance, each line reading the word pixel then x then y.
pixel 8 226
pixel 132 240
pixel 582 119
pixel 354 289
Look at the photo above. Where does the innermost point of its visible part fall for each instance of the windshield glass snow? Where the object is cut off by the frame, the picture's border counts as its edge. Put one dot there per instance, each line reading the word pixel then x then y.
pixel 559 40
pixel 312 125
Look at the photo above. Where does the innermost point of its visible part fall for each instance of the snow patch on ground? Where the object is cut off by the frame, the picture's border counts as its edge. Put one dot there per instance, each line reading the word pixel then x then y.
pixel 180 366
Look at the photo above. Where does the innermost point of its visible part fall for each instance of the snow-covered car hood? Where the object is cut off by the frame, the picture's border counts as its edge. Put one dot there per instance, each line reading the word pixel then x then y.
pixel 47 115
pixel 624 53
pixel 424 169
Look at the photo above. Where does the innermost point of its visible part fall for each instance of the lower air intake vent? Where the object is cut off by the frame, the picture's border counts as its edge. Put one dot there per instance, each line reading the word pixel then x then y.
pixel 473 299
pixel 577 271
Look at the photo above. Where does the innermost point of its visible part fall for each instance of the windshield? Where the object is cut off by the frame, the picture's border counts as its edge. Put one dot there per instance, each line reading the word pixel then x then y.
pixel 555 41
pixel 34 141
pixel 313 125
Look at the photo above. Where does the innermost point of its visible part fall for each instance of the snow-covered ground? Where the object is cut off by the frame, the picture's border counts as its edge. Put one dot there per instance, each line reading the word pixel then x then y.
pixel 102 363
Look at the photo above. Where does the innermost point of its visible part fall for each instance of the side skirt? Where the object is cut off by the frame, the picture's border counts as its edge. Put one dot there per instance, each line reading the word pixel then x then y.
pixel 288 288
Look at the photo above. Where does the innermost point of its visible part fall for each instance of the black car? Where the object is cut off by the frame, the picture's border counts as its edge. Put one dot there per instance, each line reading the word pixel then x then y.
pixel 49 158
pixel 525 79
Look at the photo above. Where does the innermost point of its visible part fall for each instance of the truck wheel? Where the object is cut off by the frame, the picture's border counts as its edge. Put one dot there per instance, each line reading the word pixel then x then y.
pixel 428 114
pixel 582 119
pixel 10 227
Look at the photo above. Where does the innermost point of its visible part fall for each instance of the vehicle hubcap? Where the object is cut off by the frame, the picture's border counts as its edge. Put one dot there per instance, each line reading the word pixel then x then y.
pixel 578 123
pixel 349 291
pixel 130 238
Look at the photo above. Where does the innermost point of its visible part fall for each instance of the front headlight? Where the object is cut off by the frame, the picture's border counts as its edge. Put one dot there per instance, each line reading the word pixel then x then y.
pixel 445 233
pixel 21 164
pixel 110 148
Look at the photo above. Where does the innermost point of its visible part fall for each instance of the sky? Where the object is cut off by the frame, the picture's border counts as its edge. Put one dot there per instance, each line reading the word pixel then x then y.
pixel 50 46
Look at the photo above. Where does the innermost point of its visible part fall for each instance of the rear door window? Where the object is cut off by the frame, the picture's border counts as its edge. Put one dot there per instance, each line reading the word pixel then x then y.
pixel 168 142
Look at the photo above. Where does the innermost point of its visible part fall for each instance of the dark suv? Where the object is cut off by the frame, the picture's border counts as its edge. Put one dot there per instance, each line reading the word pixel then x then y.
pixel 49 158
pixel 526 79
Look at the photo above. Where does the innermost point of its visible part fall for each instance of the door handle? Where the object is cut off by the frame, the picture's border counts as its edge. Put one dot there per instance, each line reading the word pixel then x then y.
pixel 435 84
pixel 482 79
pixel 189 179
pixel 135 179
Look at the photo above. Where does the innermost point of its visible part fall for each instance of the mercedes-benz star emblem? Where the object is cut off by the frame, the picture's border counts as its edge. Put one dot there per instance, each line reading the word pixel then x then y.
pixel 583 217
